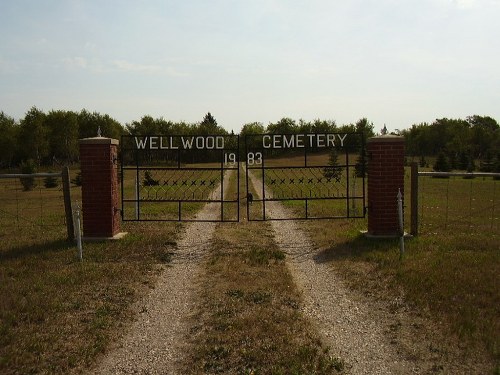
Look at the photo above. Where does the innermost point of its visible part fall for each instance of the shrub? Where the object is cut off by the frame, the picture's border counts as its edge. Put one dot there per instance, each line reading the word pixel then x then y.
pixel 50 182
pixel 149 180
pixel 28 167
pixel 77 181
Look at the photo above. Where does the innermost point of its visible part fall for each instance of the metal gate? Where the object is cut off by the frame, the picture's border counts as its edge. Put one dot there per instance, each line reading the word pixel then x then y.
pixel 316 176
pixel 169 178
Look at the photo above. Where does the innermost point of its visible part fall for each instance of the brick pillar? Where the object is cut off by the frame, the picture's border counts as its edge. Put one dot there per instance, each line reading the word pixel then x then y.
pixel 98 162
pixel 385 177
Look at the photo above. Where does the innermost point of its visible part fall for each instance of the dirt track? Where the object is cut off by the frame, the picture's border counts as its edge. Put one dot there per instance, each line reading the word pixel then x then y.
pixel 372 336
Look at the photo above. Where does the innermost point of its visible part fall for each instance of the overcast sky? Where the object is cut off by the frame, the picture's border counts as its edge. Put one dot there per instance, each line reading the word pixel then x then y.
pixel 396 62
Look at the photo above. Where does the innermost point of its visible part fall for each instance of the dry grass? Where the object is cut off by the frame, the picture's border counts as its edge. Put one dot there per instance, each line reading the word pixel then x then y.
pixel 57 314
pixel 454 277
pixel 248 321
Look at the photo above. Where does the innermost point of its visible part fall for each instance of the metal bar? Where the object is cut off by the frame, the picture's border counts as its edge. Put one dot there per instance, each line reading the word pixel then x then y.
pixel 414 199
pixel 34 175
pixel 347 182
pixel 458 174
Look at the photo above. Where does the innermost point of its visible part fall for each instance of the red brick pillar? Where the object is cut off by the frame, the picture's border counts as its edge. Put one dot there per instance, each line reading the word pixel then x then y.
pixel 100 206
pixel 385 177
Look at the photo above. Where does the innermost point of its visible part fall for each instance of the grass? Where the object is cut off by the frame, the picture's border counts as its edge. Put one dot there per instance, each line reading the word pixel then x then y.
pixel 248 319
pixel 57 314
pixel 161 201
pixel 453 276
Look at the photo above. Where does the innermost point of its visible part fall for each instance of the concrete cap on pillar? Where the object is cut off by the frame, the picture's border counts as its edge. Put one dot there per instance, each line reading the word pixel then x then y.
pixel 99 141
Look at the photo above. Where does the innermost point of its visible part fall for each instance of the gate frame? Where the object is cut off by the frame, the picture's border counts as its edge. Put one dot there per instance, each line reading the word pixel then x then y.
pixel 223 168
pixel 345 166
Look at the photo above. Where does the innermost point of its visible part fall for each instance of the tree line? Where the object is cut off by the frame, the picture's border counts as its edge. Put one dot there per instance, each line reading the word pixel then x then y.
pixel 470 144
pixel 52 138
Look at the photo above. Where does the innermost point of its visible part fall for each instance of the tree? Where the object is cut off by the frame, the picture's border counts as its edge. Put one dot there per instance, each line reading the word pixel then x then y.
pixel 209 126
pixel 252 128
pixel 62 128
pixel 441 164
pixel 50 182
pixel 333 170
pixel 89 123
pixel 284 126
pixel 33 137
pixel 8 140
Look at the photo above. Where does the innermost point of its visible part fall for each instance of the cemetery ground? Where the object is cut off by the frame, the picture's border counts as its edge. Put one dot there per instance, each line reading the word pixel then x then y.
pixel 440 304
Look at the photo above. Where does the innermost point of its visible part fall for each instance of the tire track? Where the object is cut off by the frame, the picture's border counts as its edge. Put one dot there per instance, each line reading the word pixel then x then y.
pixel 345 322
pixel 153 344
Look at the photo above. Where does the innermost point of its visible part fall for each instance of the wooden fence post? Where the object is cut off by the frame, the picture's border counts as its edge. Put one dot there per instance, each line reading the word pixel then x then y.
pixel 70 227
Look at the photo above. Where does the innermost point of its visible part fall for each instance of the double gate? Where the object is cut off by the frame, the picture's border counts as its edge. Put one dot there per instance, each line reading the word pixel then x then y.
pixel 169 178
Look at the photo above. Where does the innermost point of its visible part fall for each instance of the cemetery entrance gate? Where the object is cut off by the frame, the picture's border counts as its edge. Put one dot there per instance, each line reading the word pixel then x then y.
pixel 169 178
pixel 318 176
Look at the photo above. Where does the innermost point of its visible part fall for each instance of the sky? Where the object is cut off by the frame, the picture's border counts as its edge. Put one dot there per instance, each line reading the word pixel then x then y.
pixel 395 62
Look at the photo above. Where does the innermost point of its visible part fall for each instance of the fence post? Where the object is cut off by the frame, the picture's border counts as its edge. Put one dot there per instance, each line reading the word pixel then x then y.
pixel 414 199
pixel 70 227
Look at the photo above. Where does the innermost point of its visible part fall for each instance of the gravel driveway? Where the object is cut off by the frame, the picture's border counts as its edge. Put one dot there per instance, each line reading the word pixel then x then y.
pixel 372 337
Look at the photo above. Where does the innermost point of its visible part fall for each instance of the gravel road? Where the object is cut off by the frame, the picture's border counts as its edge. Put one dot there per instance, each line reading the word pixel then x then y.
pixel 371 336
pixel 153 343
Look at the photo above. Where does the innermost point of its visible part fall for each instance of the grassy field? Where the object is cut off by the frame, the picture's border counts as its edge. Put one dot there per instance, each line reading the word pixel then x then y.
pixel 57 314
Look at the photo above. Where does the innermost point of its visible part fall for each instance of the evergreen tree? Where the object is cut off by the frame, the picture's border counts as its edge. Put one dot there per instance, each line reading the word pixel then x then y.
pixel 50 182
pixel 361 164
pixel 28 167
pixel 333 170
pixel 441 164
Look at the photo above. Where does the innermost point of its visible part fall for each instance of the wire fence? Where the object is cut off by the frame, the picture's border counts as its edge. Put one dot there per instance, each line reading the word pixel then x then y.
pixel 34 203
pixel 458 202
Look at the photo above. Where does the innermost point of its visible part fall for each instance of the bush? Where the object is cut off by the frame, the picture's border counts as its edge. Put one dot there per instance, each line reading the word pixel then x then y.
pixel 28 167
pixel 149 180
pixel 50 182
pixel 77 181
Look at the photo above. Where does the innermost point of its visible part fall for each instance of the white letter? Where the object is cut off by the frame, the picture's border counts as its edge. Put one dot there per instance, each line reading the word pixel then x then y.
pixel 162 147
pixel 311 142
pixel 330 140
pixel 290 143
pixel 320 140
pixel 153 145
pixel 187 144
pixel 141 143
pixel 220 143
pixel 264 144
pixel 210 143
pixel 172 147
pixel 342 140
pixel 299 140
pixel 198 145
pixel 276 141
